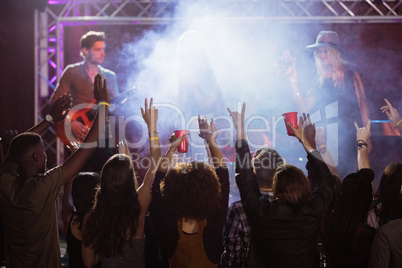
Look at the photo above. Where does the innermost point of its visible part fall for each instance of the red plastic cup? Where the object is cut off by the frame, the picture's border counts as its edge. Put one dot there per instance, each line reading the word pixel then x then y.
pixel 183 147
pixel 290 117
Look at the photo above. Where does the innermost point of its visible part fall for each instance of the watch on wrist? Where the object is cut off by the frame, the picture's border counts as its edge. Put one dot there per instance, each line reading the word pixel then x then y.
pixel 49 118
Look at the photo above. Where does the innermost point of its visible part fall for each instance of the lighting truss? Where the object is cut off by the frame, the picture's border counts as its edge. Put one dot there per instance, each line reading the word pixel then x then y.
pixel 58 13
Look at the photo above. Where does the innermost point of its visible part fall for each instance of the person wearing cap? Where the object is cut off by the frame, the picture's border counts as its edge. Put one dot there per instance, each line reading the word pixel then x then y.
pixel 237 232
pixel 336 100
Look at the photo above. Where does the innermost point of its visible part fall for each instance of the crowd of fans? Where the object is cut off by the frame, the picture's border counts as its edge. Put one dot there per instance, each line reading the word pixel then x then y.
pixel 285 218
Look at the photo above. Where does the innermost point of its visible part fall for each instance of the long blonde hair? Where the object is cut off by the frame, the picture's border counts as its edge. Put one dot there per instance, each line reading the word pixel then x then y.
pixel 336 66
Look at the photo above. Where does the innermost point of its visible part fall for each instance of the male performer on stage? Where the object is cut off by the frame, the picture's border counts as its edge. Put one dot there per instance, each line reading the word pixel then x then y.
pixel 78 80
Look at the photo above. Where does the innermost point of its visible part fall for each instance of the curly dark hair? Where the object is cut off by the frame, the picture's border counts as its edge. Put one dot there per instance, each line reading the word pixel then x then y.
pixel 193 190
pixel 116 209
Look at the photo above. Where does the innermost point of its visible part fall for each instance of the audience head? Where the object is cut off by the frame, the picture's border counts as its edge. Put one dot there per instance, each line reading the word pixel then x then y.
pixel 28 150
pixel 116 210
pixel 193 190
pixel 291 186
pixel 353 204
pixel 390 193
pixel 83 192
pixel 89 39
pixel 265 163
pixel 118 176
pixel 356 189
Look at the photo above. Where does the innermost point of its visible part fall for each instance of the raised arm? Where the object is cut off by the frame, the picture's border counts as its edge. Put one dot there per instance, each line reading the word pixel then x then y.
pixel 286 68
pixel 246 179
pixel 208 133
pixel 58 112
pixel 76 161
pixel 305 137
pixel 174 142
pixel 243 156
pixel 362 136
pixel 238 122
pixel 393 115
pixel 325 153
pixel 150 116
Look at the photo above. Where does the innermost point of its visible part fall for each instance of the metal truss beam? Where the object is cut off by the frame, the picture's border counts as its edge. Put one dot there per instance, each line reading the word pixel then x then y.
pixel 58 13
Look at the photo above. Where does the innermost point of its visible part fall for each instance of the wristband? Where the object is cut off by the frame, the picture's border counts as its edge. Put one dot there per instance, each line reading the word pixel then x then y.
pixel 153 132
pixel 398 123
pixel 154 138
pixel 104 103
pixel 322 146
pixel 361 144
pixel 204 134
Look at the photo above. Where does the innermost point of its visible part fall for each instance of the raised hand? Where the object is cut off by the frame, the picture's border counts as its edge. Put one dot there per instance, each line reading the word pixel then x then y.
pixel 363 134
pixel 238 118
pixel 285 66
pixel 123 147
pixel 150 115
pixel 320 135
pixel 101 92
pixel 206 127
pixel 61 107
pixel 299 134
pixel 309 130
pixel 391 112
pixel 175 141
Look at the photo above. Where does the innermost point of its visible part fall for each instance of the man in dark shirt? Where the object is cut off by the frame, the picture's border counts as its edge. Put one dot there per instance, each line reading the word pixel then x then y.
pixel 78 80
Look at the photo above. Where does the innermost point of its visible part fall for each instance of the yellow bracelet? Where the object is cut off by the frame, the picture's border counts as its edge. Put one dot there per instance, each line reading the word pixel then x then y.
pixel 104 103
pixel 322 146
pixel 154 138
pixel 398 123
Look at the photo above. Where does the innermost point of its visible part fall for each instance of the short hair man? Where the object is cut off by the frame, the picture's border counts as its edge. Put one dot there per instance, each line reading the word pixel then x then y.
pixel 237 233
pixel 78 80
pixel 28 192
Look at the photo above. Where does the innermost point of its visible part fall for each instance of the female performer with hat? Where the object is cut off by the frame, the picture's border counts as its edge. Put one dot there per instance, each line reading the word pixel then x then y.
pixel 336 100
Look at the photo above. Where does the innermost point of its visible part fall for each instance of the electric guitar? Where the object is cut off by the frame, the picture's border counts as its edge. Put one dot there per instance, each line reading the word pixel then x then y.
pixel 84 114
